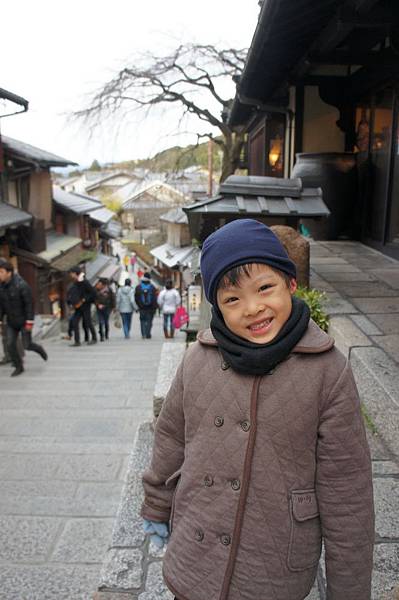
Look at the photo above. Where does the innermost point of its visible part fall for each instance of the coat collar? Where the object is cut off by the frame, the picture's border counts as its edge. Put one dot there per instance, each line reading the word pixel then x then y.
pixel 314 340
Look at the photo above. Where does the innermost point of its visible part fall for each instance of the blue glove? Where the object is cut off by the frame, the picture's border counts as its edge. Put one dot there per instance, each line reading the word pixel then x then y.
pixel 158 532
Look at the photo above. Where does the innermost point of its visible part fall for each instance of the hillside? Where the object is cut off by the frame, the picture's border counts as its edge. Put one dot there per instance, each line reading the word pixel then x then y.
pixel 175 158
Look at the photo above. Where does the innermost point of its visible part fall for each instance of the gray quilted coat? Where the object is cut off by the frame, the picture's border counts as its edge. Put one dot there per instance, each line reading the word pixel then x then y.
pixel 253 472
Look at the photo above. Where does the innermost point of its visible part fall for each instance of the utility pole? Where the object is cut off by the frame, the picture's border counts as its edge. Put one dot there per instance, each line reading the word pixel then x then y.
pixel 210 168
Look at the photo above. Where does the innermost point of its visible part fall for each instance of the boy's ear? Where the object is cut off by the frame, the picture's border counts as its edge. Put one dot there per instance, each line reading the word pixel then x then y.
pixel 293 286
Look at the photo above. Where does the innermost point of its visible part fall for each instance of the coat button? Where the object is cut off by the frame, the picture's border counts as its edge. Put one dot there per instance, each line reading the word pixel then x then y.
pixel 245 425
pixel 199 535
pixel 208 480
pixel 219 421
pixel 235 484
pixel 225 539
pixel 225 366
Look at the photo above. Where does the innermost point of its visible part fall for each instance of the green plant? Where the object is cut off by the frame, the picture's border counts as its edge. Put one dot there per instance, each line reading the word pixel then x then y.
pixel 314 299
pixel 368 420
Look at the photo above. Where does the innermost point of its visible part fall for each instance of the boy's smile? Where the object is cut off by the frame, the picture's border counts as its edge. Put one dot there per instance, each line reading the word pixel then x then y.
pixel 258 306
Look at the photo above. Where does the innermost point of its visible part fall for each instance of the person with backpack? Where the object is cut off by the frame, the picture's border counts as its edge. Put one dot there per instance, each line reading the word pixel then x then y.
pixel 146 300
pixel 168 301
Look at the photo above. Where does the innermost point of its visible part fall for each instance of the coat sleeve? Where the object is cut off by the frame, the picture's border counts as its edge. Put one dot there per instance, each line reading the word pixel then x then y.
pixel 168 454
pixel 133 300
pixel 345 492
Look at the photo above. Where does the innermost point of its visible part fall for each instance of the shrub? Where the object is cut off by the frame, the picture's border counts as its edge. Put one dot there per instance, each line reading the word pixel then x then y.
pixel 314 299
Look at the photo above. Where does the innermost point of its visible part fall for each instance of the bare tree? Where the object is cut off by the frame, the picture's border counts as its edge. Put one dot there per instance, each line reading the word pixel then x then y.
pixel 192 77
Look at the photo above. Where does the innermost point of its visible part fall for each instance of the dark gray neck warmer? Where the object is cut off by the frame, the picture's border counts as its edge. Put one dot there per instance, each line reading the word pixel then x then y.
pixel 258 359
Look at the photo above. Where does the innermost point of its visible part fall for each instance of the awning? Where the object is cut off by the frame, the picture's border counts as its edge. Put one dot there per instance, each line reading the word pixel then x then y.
pixel 10 216
pixel 101 215
pixel 171 256
pixel 57 244
pixel 113 229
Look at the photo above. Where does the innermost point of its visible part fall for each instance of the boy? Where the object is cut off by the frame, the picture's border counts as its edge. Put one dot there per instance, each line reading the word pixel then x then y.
pixel 260 449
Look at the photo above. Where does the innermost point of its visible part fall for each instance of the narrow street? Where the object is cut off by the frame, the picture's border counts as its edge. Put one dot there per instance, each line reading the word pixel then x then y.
pixel 66 429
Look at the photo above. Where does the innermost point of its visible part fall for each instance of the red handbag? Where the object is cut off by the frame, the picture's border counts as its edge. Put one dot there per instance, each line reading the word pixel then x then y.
pixel 180 317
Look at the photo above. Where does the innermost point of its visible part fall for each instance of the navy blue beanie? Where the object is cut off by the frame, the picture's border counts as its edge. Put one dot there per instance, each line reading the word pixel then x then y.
pixel 241 242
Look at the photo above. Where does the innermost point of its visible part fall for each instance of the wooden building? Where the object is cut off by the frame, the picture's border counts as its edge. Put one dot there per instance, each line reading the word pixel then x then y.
pixel 322 78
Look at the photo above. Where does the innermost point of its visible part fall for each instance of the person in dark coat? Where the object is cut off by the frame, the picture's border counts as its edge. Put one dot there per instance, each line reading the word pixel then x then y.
pixel 17 304
pixel 81 296
pixel 105 303
pixel 146 299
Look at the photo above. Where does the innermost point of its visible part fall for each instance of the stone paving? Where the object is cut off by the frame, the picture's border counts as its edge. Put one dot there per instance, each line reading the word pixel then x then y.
pixel 362 288
pixel 66 431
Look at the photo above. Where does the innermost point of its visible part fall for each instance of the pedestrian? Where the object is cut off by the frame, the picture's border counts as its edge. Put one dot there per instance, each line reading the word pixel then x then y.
pixel 105 303
pixel 260 450
pixel 168 301
pixel 81 295
pixel 16 303
pixel 126 304
pixel 126 261
pixel 146 300
pixel 140 273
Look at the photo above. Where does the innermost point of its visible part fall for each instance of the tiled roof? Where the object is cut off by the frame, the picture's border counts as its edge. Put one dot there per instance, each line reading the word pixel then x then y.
pixel 10 215
pixel 42 157
pixel 73 202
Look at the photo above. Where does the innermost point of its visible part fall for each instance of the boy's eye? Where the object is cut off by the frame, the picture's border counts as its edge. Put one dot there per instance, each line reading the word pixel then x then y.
pixel 265 287
pixel 230 299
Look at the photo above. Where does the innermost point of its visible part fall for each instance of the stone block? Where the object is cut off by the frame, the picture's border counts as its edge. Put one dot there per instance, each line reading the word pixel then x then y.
pixel 335 276
pixel 43 582
pixel 155 587
pixel 114 596
pixel 377 379
pixel 25 539
pixel 386 499
pixel 385 574
pixel 385 467
pixel 319 283
pixel 387 323
pixel 347 334
pixel 367 326
pixel 364 289
pixel 297 248
pixel 390 276
pixel 389 343
pixel 334 304
pixel 377 305
pixel 83 540
pixel 123 570
pixel 89 468
pixel 171 356
pixel 128 528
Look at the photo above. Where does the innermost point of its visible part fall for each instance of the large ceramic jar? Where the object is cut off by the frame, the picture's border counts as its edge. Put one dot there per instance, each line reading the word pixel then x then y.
pixel 336 174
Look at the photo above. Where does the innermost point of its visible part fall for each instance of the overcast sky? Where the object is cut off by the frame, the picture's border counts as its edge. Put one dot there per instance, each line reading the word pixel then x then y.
pixel 54 53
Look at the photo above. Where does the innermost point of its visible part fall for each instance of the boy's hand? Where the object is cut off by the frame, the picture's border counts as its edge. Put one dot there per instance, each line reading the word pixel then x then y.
pixel 158 532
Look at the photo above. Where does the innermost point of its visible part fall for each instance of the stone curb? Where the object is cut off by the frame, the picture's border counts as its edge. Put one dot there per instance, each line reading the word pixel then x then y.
pixel 132 567
pixel 171 355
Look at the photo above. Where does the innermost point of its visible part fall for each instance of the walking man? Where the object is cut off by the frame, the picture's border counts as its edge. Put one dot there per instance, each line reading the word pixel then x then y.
pixel 146 300
pixel 168 301
pixel 81 295
pixel 17 304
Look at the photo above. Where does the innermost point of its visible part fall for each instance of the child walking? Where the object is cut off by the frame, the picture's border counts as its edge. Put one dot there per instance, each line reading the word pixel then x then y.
pixel 260 451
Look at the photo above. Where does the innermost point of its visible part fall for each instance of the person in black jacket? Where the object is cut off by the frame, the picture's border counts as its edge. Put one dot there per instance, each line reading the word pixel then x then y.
pixel 81 296
pixel 105 303
pixel 17 304
pixel 146 299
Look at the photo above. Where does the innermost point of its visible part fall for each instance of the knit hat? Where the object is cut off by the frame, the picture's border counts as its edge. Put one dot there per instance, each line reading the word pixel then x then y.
pixel 241 242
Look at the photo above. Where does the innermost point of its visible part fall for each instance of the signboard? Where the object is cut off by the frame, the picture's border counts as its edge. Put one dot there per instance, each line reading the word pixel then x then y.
pixel 194 301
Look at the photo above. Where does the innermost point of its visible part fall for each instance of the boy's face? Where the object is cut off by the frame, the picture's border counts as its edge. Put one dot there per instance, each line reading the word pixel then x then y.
pixel 257 307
